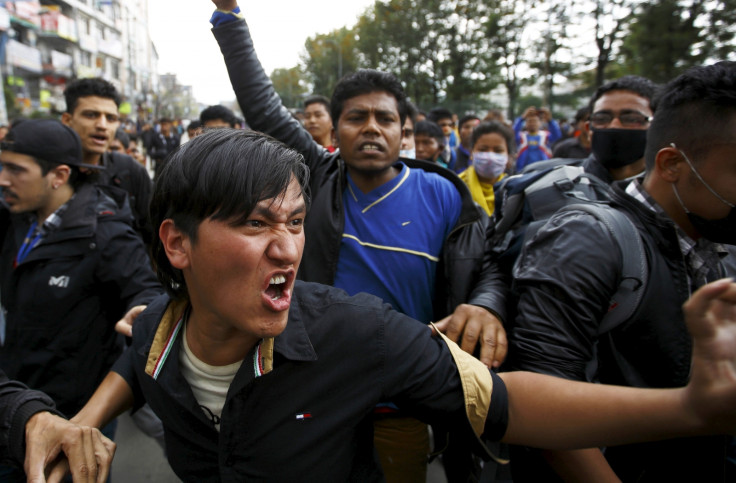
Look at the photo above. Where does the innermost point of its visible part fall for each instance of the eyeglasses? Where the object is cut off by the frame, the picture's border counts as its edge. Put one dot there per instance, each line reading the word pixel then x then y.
pixel 627 118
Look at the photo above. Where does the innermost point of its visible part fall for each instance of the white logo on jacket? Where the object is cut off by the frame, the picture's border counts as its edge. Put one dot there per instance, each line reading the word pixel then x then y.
pixel 60 281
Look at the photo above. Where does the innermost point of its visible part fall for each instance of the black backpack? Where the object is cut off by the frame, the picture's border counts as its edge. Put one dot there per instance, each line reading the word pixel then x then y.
pixel 526 201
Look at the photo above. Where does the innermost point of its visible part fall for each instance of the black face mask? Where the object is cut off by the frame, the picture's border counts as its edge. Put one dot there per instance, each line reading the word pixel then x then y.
pixel 722 230
pixel 616 148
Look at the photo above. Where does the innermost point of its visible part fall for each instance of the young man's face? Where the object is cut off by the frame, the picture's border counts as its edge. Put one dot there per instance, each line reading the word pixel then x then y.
pixel 242 277
pixel 317 121
pixel 407 135
pixel 95 119
pixel 369 132
pixel 466 131
pixel 427 147
pixel 25 189
pixel 212 123
pixel 614 105
pixel 447 125
pixel 165 128
pixel 532 123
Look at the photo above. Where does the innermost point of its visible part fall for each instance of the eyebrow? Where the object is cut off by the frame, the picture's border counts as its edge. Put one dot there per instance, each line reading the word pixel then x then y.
pixel 269 213
pixel 383 112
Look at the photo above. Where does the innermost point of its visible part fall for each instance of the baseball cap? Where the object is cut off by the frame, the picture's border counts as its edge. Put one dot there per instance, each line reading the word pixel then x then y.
pixel 46 139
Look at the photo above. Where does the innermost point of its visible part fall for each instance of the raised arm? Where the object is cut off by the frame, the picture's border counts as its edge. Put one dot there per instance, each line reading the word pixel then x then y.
pixel 257 98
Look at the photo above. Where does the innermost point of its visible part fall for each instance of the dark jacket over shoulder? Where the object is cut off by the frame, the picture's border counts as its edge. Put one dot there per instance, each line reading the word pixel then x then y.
pixel 122 171
pixel 63 300
pixel 461 275
pixel 564 281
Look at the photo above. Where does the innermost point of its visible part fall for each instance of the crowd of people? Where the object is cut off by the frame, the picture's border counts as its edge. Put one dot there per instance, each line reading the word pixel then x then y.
pixel 341 297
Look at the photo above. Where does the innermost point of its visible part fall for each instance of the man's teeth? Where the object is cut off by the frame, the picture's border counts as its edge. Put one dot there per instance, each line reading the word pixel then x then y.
pixel 277 280
pixel 371 147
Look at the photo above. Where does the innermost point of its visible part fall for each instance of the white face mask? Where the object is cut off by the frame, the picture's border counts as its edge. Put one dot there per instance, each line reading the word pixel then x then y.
pixel 408 153
pixel 489 164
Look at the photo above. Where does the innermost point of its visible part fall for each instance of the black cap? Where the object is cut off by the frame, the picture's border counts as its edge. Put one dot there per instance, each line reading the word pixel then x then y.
pixel 46 139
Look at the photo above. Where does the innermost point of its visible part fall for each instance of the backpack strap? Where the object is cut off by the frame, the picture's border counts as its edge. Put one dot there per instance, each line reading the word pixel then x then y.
pixel 634 270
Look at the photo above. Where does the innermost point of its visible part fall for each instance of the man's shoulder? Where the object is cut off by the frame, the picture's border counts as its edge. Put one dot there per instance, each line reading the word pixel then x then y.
pixel 120 161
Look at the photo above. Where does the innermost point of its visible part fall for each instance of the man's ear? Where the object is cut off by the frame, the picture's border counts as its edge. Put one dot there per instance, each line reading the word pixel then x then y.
pixel 176 244
pixel 66 118
pixel 59 175
pixel 668 163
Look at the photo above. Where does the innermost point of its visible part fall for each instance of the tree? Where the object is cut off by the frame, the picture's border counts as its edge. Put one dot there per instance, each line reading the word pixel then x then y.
pixel 290 85
pixel 610 17
pixel 666 37
pixel 329 57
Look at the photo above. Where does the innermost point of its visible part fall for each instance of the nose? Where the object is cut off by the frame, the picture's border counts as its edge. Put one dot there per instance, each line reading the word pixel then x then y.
pixel 615 123
pixel 4 181
pixel 371 125
pixel 285 248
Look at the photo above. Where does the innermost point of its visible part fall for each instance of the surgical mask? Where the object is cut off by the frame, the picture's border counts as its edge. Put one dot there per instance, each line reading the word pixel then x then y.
pixel 616 148
pixel 722 230
pixel 489 165
pixel 408 153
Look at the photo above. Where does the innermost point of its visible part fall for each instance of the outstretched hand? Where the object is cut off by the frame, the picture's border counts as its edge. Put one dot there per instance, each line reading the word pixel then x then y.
pixel 711 394
pixel 88 453
pixel 471 325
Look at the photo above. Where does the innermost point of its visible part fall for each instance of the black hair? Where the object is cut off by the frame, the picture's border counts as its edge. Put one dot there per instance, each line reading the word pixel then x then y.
pixel 218 111
pixel 411 113
pixel 86 88
pixel 466 118
pixel 365 81
pixel 491 127
pixel 219 175
pixel 123 137
pixel 582 114
pixel 317 99
pixel 194 124
pixel 695 111
pixel 431 129
pixel 633 83
pixel 76 179
pixel 439 113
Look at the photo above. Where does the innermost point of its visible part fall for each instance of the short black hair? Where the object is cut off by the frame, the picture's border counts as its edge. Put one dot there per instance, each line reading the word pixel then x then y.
pixel 123 137
pixel 491 127
pixel 218 111
pixel 633 83
pixel 466 118
pixel 219 175
pixel 365 81
pixel 431 129
pixel 439 113
pixel 89 87
pixel 411 113
pixel 695 111
pixel 193 124
pixel 317 99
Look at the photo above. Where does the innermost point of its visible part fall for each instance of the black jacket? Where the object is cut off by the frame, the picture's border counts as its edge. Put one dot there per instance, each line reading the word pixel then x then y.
pixel 461 272
pixel 564 281
pixel 63 300
pixel 122 171
pixel 17 405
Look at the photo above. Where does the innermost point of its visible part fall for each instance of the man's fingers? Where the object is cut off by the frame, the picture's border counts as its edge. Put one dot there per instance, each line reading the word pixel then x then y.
pixel 104 452
pixel 125 325
pixel 494 347
pixel 697 307
pixel 57 471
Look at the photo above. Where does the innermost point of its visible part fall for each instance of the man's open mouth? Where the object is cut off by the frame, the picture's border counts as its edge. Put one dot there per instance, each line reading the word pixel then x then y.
pixel 276 287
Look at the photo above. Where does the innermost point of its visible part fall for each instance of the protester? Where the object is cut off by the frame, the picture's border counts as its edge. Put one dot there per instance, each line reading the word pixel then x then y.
pixel 462 151
pixel 318 122
pixel 493 149
pixel 533 139
pixel 568 273
pixel 217 116
pixel 92 111
pixel 258 376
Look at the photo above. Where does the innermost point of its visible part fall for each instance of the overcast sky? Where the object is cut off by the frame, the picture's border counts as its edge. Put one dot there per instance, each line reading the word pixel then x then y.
pixel 180 29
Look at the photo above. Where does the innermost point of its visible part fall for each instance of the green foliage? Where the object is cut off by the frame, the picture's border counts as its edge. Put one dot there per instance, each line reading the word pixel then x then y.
pixel 290 85
pixel 329 57
pixel 666 37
